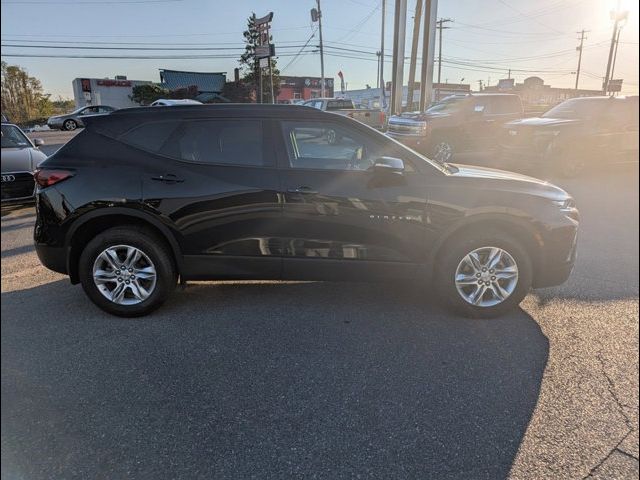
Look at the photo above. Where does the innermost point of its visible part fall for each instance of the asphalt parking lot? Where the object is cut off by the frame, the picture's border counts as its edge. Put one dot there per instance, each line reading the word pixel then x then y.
pixel 318 380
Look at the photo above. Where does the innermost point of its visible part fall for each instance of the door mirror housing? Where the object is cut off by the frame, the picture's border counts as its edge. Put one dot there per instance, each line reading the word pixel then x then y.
pixel 38 142
pixel 388 164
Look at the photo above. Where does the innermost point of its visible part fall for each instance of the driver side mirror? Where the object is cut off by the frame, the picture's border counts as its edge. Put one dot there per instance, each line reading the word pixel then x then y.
pixel 388 164
pixel 38 142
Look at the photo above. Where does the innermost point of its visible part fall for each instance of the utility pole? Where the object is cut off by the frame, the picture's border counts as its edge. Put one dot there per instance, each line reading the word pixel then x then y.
pixel 321 50
pixel 382 87
pixel 440 27
pixel 618 16
pixel 509 75
pixel 582 39
pixel 480 85
pixel 615 52
pixel 399 33
pixel 428 49
pixel 414 53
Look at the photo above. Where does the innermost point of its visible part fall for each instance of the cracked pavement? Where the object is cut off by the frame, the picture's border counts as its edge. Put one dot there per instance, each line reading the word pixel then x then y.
pixel 314 380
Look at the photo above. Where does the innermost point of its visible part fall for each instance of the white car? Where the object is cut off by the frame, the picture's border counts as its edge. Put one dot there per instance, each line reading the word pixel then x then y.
pixel 163 102
pixel 20 157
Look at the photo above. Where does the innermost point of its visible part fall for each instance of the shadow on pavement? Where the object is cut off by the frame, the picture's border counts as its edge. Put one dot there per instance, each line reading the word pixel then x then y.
pixel 272 380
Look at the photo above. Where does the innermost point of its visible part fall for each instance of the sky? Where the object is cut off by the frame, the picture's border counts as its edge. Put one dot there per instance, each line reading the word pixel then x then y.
pixel 485 39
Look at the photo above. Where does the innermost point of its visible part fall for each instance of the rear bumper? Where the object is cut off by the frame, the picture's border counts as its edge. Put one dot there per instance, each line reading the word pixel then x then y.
pixel 54 258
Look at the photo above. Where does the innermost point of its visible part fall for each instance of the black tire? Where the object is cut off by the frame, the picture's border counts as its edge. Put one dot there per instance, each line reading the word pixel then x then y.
pixel 69 125
pixel 455 251
pixel 144 240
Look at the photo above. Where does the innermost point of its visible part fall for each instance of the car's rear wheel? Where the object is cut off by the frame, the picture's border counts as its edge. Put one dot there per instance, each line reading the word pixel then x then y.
pixel 484 276
pixel 127 271
pixel 69 125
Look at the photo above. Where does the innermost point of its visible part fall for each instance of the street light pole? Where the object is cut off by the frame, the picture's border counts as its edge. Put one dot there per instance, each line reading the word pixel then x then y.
pixel 382 90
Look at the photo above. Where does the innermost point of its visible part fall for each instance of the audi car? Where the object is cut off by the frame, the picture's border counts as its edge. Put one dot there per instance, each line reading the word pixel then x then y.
pixel 20 157
pixel 146 197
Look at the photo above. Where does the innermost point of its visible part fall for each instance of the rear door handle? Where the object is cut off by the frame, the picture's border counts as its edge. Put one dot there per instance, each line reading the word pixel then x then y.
pixel 167 178
pixel 303 189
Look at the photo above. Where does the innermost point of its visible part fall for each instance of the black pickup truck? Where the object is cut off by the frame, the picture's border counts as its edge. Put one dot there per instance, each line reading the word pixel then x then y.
pixel 457 123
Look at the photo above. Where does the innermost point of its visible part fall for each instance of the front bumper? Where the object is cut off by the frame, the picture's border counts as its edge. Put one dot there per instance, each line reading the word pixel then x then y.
pixel 55 123
pixel 558 255
pixel 19 187
pixel 419 143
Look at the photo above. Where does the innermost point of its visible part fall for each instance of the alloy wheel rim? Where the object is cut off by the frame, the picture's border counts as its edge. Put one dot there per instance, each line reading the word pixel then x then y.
pixel 124 275
pixel 70 125
pixel 443 151
pixel 486 276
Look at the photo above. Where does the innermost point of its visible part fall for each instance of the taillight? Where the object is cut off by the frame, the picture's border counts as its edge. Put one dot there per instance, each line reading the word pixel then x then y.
pixel 45 177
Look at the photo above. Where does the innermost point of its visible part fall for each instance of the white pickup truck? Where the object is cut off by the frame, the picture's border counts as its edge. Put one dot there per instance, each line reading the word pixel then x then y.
pixel 343 106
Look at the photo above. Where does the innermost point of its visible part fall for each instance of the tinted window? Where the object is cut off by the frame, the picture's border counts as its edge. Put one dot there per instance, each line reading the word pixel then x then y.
pixel 236 142
pixel 150 136
pixel 105 109
pixel 578 109
pixel 322 145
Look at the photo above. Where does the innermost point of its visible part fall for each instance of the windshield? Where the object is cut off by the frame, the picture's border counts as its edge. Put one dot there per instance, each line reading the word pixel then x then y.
pixel 12 137
pixel 577 109
pixel 448 105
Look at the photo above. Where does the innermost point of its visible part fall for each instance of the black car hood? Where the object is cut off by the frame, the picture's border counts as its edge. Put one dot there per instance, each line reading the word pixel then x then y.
pixel 508 181
pixel 542 122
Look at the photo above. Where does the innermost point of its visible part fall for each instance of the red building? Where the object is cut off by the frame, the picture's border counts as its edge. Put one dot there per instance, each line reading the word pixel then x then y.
pixel 303 88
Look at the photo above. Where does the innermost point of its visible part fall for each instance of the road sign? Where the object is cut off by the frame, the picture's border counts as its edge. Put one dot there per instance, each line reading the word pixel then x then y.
pixel 263 51
pixel 264 62
pixel 615 85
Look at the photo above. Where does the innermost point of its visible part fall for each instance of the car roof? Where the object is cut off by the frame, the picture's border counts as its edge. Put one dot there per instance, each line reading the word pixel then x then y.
pixel 124 119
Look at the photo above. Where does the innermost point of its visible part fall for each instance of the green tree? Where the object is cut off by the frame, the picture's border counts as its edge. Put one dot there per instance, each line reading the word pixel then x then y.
pixel 250 67
pixel 22 96
pixel 148 93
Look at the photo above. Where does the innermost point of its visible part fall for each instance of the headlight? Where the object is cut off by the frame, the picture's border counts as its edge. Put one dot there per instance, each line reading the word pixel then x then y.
pixel 566 204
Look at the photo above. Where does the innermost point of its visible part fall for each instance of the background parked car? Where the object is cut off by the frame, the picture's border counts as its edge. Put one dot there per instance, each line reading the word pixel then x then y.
pixel 457 123
pixel 343 106
pixel 163 102
pixel 74 120
pixel 573 134
pixel 20 157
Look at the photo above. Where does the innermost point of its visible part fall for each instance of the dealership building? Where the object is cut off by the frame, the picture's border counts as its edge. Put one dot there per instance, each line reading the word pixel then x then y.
pixel 114 92
pixel 304 88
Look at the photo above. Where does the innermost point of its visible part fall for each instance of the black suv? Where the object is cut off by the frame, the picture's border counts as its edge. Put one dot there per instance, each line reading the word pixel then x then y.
pixel 145 196
pixel 573 135
pixel 457 123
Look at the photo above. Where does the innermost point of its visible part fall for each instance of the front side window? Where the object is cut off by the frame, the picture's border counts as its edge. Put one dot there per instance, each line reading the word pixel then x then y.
pixel 448 105
pixel 320 145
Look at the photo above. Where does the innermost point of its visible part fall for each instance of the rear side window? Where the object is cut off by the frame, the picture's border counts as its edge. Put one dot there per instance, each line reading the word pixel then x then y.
pixel 236 142
pixel 150 136
pixel 339 104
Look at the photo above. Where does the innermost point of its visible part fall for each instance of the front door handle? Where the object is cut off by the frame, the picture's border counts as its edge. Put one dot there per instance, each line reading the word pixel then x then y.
pixel 168 178
pixel 303 189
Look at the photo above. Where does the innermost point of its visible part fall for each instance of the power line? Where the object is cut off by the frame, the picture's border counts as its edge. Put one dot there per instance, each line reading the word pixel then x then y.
pixel 297 55
pixel 75 47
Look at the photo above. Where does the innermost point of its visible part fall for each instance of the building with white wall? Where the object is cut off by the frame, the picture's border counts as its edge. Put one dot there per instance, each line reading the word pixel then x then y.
pixel 114 92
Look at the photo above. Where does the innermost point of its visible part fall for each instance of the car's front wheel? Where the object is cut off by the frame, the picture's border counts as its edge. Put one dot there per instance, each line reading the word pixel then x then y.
pixel 484 276
pixel 69 125
pixel 127 271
